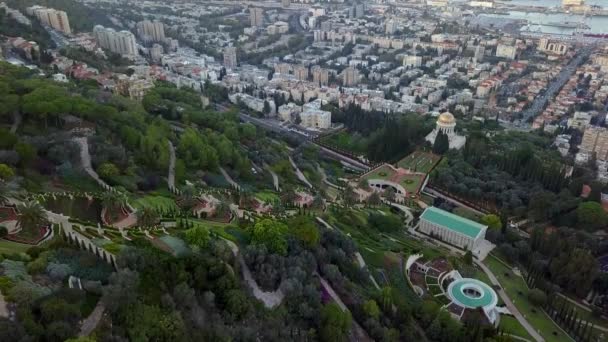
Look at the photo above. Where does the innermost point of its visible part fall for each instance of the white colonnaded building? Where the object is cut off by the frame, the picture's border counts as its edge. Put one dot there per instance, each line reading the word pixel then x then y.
pixel 452 229
pixel 447 123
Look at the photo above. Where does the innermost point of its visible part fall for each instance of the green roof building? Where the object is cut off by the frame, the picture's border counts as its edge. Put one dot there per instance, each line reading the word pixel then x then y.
pixel 452 229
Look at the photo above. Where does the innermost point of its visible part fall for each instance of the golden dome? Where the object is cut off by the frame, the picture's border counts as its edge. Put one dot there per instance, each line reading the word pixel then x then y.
pixel 446 118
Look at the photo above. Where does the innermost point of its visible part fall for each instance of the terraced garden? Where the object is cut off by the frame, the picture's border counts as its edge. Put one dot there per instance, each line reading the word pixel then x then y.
pixel 419 162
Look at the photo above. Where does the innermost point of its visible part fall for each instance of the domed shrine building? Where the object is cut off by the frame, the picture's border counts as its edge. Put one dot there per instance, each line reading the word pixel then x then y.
pixel 446 123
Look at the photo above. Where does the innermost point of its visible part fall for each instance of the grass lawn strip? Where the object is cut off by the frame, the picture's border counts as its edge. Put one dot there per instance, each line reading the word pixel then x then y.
pixel 155 202
pixel 516 289
pixel 511 326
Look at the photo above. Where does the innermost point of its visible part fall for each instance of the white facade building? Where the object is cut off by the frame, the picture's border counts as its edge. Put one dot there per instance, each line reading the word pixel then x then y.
pixel 451 228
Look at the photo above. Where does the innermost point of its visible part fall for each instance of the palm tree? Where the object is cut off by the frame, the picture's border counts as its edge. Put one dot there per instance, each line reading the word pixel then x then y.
pixel 113 200
pixel 31 215
pixel 188 198
pixel 147 217
pixel 222 209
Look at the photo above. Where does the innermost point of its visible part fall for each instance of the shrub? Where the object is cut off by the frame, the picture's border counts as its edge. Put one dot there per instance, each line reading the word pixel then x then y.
pixel 537 297
pixel 6 284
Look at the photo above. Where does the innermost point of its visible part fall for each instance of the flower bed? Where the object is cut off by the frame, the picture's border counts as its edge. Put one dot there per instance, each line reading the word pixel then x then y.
pixel 7 214
pixel 42 233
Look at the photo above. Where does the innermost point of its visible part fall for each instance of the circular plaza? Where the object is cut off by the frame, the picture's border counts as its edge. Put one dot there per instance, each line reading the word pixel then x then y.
pixel 472 294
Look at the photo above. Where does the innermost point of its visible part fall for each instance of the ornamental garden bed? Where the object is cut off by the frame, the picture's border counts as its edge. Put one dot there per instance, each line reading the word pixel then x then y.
pixel 30 237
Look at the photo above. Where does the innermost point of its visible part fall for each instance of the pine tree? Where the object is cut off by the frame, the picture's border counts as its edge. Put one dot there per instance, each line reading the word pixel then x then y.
pixel 442 143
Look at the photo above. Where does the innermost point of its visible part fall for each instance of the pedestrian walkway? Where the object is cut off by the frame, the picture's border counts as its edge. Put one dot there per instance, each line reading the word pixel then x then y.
pixel 171 175
pixel 299 173
pixel 512 308
pixel 85 158
pixel 91 322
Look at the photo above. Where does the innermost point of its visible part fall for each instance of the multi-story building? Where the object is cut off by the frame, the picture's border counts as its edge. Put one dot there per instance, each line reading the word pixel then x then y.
pixel 506 51
pixel 451 228
pixel 156 53
pixel 151 31
pixel 479 53
pixel 601 60
pixel 138 88
pixel 58 20
pixel 120 42
pixel 320 76
pixel 230 61
pixel 570 3
pixel 548 46
pixel 350 76
pixel 279 27
pixel 390 26
pixel 301 72
pixel 437 3
pixel 282 68
pixel 595 140
pixel 356 11
pixel 256 16
pixel 412 61
pixel 285 3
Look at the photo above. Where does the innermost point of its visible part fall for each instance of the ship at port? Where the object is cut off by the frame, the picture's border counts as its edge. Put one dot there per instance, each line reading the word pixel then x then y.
pixel 567 24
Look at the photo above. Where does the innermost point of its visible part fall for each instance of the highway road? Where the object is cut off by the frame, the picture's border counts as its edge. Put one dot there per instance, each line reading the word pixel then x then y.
pixel 302 137
pixel 556 85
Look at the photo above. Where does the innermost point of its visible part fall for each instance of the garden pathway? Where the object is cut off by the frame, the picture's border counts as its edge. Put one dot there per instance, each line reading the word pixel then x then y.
pixel 406 210
pixel 360 334
pixel 270 299
pixel 324 178
pixel 171 175
pixel 275 178
pixel 323 222
pixel 299 173
pixel 91 322
pixel 229 179
pixel 520 318
pixel 3 308
pixel 362 264
pixel 85 158
pixel 17 118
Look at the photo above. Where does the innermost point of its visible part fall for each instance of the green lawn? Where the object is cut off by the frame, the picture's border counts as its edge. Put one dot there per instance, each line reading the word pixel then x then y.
pixel 516 289
pixel 10 247
pixel 511 326
pixel 410 182
pixel 156 202
pixel 419 162
pixel 267 196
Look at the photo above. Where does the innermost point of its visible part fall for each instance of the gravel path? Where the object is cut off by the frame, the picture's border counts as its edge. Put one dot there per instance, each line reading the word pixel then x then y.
pixel 17 118
pixel 275 178
pixel 171 175
pixel 360 334
pixel 299 173
pixel 91 322
pixel 229 179
pixel 3 307
pixel 85 158
pixel 270 299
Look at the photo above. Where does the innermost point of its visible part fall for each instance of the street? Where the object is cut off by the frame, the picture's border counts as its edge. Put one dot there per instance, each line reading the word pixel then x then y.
pixel 555 86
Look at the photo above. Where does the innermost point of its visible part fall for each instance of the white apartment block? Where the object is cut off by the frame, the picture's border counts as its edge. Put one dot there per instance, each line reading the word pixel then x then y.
pixel 151 31
pixel 120 42
pixel 412 61
pixel 58 20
